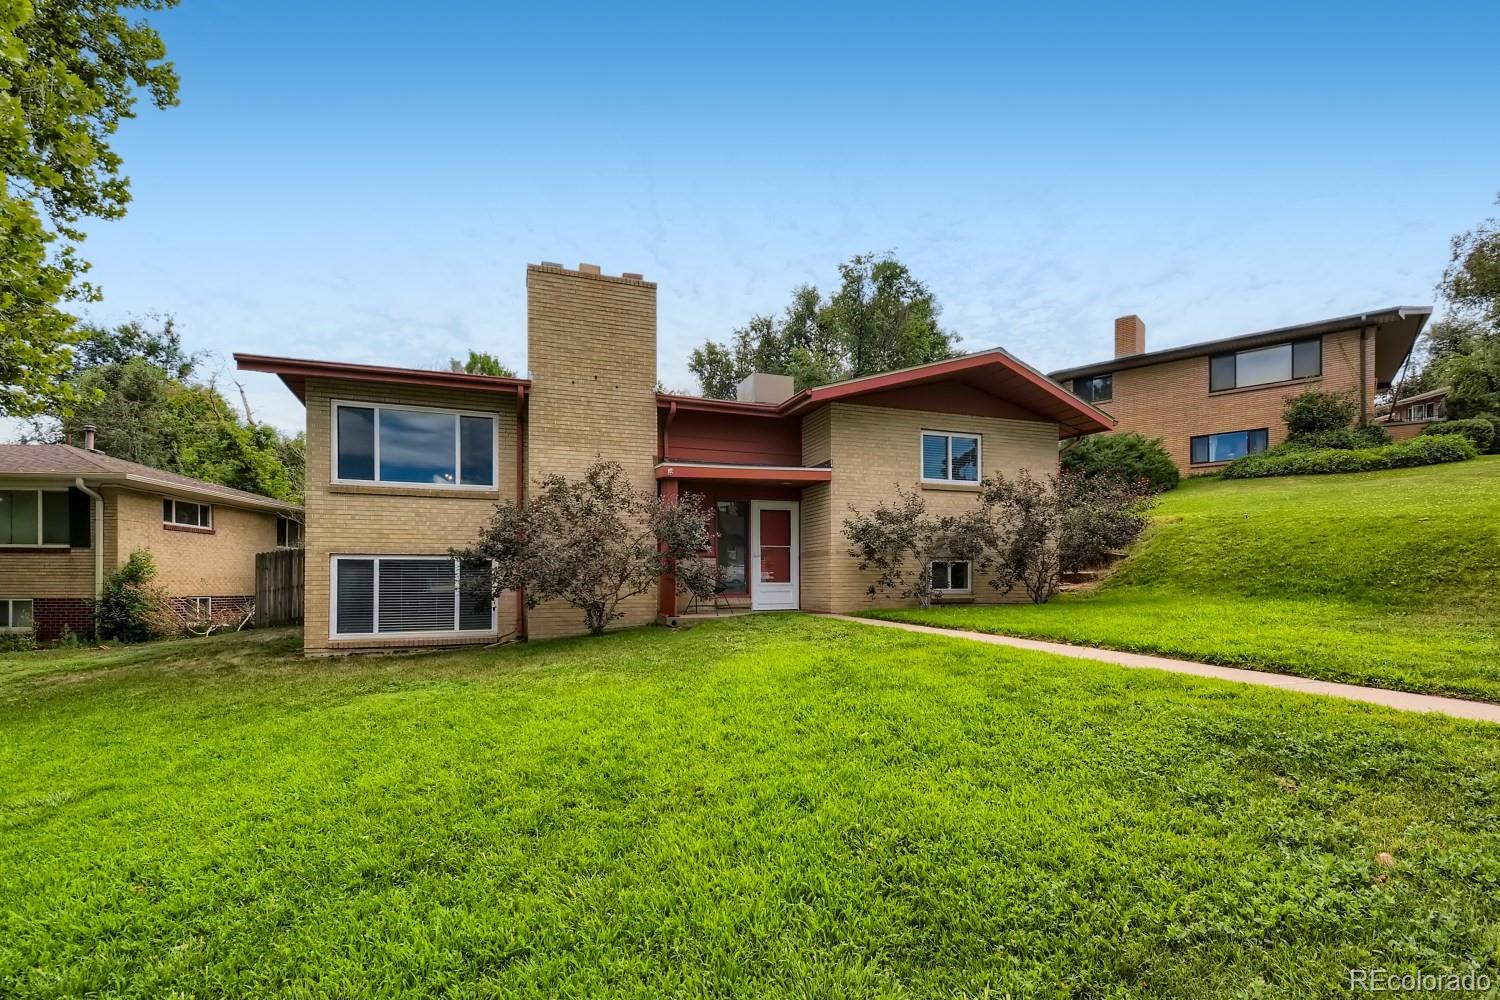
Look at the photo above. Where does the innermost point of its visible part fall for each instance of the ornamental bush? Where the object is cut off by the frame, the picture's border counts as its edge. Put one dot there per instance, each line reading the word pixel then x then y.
pixel 1342 439
pixel 1314 412
pixel 1131 458
pixel 132 604
pixel 1478 430
pixel 1432 450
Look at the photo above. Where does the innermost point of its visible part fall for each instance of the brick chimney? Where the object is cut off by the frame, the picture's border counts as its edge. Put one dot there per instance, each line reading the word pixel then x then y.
pixel 759 387
pixel 1130 336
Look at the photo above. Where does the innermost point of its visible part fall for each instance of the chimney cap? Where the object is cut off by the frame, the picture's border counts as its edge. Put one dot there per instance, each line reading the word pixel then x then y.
pixel 589 268
pixel 550 263
pixel 633 275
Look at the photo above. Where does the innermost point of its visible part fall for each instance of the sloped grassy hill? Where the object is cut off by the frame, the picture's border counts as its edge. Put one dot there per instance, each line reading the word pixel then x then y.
pixel 1384 578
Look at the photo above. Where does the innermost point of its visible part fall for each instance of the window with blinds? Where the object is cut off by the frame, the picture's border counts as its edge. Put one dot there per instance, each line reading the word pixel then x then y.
pixel 406 595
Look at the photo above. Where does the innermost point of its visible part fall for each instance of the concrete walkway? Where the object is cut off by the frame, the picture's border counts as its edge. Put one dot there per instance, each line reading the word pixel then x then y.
pixel 1456 707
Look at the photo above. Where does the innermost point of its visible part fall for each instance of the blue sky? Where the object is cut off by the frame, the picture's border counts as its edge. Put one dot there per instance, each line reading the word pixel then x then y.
pixel 366 182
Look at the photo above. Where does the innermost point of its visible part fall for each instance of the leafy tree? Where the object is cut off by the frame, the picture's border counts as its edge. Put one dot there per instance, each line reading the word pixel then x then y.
pixel 881 318
pixel 481 363
pixel 594 543
pixel 1099 516
pixel 1471 281
pixel 161 347
pixel 72 71
pixel 900 540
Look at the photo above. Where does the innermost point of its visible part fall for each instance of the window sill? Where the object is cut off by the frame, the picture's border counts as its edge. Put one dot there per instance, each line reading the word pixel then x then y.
pixel 1213 393
pixel 37 548
pixel 188 528
pixel 389 490
pixel 937 484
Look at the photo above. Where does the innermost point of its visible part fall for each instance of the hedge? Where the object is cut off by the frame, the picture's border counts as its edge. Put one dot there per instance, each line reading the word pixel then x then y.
pixel 1477 429
pixel 1131 457
pixel 1432 450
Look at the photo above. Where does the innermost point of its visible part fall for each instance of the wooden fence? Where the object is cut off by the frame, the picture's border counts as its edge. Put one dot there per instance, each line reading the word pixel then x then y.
pixel 278 587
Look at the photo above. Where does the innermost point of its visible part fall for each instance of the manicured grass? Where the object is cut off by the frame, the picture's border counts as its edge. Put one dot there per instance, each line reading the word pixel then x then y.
pixel 780 806
pixel 1384 578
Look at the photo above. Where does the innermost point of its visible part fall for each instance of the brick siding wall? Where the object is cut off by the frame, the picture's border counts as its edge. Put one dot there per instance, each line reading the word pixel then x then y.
pixel 50 615
pixel 190 563
pixel 1171 400
pixel 591 351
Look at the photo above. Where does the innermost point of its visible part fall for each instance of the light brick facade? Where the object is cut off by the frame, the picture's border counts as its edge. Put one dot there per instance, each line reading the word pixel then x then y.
pixel 392 520
pixel 1171 400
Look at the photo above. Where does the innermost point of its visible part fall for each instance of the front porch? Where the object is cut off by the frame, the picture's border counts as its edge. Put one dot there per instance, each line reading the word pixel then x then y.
pixel 754 536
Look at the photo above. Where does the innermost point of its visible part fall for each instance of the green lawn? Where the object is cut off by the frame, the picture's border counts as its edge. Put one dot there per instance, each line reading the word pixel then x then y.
pixel 1383 578
pixel 780 806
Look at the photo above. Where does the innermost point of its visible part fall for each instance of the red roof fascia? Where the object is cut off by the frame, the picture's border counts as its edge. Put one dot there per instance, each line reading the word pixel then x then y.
pixel 743 473
pixel 295 372
pixel 703 404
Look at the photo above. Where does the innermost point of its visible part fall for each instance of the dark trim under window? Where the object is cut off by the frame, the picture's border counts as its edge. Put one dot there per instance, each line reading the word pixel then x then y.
pixel 1226 447
pixel 1097 389
pixel 1266 365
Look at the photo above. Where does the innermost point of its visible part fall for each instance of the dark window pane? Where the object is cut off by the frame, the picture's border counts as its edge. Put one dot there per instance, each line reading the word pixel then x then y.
pixel 734 544
pixel 934 456
pixel 20 614
pixel 939 576
pixel 966 459
pixel 356 433
pixel 416 595
pixel 959 575
pixel 54 518
pixel 1200 450
pixel 416 447
pixel 354 603
pixel 166 511
pixel 281 532
pixel 1307 358
pixel 1221 372
pixel 476 601
pixel 1258 441
pixel 477 445
pixel 1098 389
pixel 18 517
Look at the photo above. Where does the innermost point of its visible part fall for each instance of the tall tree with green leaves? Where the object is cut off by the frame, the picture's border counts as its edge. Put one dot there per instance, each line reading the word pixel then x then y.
pixel 481 363
pixel 70 72
pixel 1462 350
pixel 881 318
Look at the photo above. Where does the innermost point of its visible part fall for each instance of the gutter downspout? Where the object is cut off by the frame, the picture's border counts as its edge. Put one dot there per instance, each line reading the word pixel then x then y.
pixel 521 498
pixel 1364 376
pixel 98 541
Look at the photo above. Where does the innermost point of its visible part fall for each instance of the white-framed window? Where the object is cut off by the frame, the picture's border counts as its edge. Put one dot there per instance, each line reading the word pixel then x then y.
pixel 200 608
pixel 414 446
pixel 288 533
pixel 186 513
pixel 1421 411
pixel 15 615
pixel 950 576
pixel 36 518
pixel 409 596
pixel 950 457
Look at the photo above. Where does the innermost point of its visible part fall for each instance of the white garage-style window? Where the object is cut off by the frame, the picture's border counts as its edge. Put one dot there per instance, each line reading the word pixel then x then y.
pixel 950 457
pixel 950 576
pixel 15 614
pixel 413 446
pixel 410 595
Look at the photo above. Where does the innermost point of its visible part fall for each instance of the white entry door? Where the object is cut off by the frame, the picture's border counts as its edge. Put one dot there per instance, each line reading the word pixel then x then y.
pixel 773 555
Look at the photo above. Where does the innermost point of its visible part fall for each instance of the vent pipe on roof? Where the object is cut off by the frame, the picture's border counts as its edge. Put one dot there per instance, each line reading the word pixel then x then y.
pixel 88 437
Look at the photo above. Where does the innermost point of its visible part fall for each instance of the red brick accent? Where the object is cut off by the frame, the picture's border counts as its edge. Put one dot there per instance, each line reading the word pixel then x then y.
pixel 51 614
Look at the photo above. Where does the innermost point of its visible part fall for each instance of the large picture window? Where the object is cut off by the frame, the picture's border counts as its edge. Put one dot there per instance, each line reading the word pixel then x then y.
pixel 34 517
pixel 1266 365
pixel 410 595
pixel 413 445
pixel 1228 447
pixel 950 457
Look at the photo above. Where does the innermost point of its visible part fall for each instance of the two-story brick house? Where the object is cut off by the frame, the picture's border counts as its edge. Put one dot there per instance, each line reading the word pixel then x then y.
pixel 1218 400
pixel 403 465
pixel 71 516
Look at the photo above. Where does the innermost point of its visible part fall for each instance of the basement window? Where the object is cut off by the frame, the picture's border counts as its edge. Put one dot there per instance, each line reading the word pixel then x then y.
pixel 15 614
pixel 413 445
pixel 950 576
pixel 1208 448
pixel 395 596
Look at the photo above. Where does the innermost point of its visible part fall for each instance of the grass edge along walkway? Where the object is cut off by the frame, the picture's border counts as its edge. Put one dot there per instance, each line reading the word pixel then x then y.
pixel 1407 701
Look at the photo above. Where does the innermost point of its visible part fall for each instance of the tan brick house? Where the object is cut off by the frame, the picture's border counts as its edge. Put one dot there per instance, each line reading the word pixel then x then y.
pixel 404 465
pixel 1215 401
pixel 70 516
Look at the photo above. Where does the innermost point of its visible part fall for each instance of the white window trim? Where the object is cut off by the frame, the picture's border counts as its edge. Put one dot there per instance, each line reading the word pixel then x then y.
pixel 333 430
pixel 333 597
pixel 950 435
pixel 40 527
pixel 954 591
pixel 10 616
pixel 193 603
pixel 174 523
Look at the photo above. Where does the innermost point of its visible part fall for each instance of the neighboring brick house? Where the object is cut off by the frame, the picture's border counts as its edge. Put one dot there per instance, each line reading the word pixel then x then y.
pixel 1219 400
pixel 1406 418
pixel 404 465
pixel 70 516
